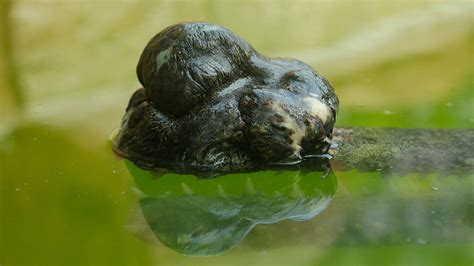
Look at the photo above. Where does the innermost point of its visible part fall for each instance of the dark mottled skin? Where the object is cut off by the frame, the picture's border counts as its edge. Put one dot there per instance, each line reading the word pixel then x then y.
pixel 211 101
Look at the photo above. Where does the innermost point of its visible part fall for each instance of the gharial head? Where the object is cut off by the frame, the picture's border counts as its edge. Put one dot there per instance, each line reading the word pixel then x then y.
pixel 211 101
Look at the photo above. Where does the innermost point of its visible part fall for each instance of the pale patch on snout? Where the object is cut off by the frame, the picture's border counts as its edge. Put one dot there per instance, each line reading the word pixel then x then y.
pixel 318 108
pixel 162 57
pixel 291 123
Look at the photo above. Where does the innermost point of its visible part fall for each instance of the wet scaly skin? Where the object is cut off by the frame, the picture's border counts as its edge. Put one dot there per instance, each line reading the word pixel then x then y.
pixel 210 101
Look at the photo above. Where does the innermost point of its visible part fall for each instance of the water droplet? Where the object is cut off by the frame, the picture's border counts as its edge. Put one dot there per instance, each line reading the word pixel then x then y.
pixel 387 112
pixel 449 105
pixel 17 189
pixel 114 171
pixel 434 188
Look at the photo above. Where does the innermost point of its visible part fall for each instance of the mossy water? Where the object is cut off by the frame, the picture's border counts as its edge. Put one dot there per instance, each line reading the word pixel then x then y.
pixel 65 199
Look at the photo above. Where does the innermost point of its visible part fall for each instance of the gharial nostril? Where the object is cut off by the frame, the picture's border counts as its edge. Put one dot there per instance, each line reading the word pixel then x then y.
pixel 293 77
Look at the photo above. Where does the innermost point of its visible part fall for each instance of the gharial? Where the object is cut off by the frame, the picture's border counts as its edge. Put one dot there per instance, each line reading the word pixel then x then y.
pixel 211 101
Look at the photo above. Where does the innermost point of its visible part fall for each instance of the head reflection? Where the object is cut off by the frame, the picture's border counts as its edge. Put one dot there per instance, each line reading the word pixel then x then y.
pixel 203 217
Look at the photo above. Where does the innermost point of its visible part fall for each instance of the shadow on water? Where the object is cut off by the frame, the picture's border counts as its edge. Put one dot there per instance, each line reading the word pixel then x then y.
pixel 210 216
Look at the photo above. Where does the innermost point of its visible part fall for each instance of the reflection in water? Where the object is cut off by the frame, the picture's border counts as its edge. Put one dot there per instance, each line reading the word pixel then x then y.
pixel 210 216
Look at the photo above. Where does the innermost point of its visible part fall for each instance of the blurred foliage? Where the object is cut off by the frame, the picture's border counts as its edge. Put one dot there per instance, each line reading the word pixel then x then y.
pixel 11 91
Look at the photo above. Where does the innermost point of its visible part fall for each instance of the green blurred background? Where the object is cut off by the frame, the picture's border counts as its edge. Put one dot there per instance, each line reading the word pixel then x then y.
pixel 67 69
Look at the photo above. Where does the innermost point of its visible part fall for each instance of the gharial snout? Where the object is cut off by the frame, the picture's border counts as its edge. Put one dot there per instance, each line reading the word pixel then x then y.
pixel 284 126
pixel 211 101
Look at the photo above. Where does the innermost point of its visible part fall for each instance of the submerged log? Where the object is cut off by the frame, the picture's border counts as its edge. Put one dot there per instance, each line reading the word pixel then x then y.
pixel 404 150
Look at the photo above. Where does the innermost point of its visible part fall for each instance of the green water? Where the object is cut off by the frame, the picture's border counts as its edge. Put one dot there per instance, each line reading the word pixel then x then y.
pixel 63 204
pixel 65 199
